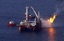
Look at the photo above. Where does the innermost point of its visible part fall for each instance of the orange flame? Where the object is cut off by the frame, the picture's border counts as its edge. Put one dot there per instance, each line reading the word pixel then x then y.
pixel 51 20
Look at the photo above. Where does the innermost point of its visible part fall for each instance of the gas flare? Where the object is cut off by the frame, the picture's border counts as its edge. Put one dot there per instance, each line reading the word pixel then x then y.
pixel 51 20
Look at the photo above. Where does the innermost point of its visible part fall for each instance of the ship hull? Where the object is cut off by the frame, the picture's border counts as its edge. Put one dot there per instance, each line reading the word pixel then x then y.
pixel 33 28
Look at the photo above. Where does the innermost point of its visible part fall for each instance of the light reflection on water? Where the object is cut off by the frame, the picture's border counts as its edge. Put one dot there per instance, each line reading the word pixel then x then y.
pixel 52 34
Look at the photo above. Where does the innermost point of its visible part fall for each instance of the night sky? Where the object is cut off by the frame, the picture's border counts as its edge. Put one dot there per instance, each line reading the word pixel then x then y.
pixel 9 7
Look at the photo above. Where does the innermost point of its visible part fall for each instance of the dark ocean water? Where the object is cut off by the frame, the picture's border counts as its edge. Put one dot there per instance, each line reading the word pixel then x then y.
pixel 15 9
